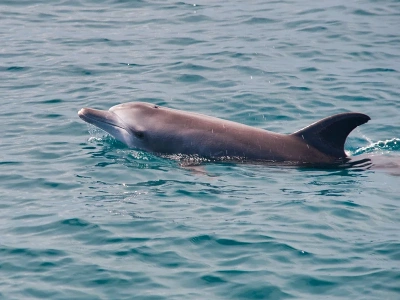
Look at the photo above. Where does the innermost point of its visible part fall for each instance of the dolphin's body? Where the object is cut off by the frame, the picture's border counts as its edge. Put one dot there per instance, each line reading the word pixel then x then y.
pixel 163 130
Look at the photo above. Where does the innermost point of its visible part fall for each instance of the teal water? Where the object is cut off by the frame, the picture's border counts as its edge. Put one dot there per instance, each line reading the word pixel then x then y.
pixel 84 217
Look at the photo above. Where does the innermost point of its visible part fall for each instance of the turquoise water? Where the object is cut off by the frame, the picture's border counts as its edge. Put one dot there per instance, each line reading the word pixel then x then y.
pixel 84 217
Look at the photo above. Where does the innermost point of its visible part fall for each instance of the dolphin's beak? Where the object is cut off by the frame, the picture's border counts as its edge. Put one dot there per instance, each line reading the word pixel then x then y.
pixel 104 119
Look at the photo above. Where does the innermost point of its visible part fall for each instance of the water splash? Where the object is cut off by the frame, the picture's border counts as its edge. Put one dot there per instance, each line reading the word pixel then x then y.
pixel 387 146
pixel 96 134
pixel 99 136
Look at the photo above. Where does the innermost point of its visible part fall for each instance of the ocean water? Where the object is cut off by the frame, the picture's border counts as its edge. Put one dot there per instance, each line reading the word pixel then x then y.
pixel 84 217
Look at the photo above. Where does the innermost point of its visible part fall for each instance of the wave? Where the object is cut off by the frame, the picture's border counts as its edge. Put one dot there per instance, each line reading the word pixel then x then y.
pixel 387 146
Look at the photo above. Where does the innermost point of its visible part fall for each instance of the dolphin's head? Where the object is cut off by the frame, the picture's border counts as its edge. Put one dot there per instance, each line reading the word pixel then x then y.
pixel 135 124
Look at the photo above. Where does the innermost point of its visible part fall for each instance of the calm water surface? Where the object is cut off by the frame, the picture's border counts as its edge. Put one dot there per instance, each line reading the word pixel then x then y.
pixel 84 217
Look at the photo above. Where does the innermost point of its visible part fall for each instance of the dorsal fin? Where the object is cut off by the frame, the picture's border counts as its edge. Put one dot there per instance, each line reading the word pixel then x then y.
pixel 329 135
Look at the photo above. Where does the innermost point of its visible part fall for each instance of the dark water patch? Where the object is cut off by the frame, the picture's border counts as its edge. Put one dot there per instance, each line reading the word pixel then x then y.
pixel 13 54
pixel 38 293
pixel 10 163
pixel 49 101
pixel 313 29
pixel 10 12
pixel 391 250
pixel 35 253
pixel 377 70
pixel 258 20
pixel 14 69
pixel 182 41
pixel 169 259
pixel 125 240
pixel 51 184
pixel 309 69
pixel 354 98
pixel 129 3
pixel 363 12
pixel 203 193
pixel 223 83
pixel 112 43
pixel 335 36
pixel 82 91
pixel 349 214
pixel 256 290
pixel 366 33
pixel 77 228
pixel 76 222
pixel 22 3
pixel 188 5
pixel 310 11
pixel 24 183
pixel 84 23
pixel 200 239
pixel 347 203
pixel 313 285
pixel 298 23
pixel 212 279
pixel 121 282
pixel 334 23
pixel 322 60
pixel 24 86
pixel 299 88
pixel 42 15
pixel 131 65
pixel 395 41
pixel 69 70
pixel 190 78
pixel 49 116
pixel 249 70
pixel 367 55
pixel 331 78
pixel 191 67
pixel 31 216
pixel 242 56
pixel 223 54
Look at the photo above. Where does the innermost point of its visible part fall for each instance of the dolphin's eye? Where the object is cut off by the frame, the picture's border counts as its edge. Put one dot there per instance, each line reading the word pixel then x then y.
pixel 156 106
pixel 139 134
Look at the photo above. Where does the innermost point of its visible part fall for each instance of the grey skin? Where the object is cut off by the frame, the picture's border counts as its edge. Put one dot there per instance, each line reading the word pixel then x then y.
pixel 164 130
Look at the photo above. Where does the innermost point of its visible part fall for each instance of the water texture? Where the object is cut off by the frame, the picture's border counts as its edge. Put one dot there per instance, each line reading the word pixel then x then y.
pixel 84 217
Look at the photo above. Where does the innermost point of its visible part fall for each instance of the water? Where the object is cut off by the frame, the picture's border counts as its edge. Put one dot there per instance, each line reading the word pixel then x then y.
pixel 83 217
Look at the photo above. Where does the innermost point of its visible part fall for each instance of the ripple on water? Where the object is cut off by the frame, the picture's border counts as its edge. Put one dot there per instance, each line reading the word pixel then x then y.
pixel 84 217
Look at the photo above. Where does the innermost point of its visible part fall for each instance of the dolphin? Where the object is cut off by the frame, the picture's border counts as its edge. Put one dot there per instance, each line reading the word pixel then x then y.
pixel 167 131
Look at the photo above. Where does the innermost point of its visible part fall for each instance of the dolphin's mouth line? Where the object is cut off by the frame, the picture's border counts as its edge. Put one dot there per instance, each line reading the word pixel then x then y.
pixel 96 120
pixel 109 123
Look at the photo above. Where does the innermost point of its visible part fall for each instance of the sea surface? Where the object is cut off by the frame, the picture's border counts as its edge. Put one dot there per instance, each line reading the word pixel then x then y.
pixel 84 217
